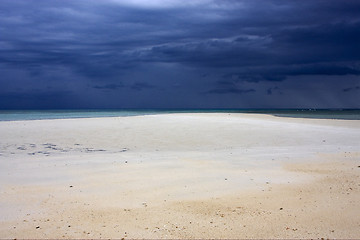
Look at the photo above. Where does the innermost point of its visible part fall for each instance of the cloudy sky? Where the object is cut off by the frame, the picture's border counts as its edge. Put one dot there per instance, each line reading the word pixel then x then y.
pixel 179 54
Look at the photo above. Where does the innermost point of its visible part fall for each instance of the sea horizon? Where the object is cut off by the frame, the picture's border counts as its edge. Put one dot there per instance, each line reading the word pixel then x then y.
pixel 42 114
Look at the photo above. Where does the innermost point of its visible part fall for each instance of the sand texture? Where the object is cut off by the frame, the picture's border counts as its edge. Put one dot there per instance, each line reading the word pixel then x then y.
pixel 182 175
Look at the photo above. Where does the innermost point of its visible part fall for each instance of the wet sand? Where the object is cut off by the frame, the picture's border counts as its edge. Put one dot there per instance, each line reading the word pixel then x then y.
pixel 180 176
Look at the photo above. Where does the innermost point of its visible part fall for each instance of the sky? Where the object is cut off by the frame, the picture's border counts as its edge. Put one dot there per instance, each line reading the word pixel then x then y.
pixel 71 54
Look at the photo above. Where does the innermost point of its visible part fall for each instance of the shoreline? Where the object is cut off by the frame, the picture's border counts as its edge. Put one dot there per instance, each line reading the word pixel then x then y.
pixel 26 115
pixel 180 176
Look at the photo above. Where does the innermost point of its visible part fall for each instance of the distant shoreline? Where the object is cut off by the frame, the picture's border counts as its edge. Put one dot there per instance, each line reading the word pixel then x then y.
pixel 20 115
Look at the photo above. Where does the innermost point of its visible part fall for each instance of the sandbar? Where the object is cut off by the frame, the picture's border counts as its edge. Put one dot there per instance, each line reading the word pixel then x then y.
pixel 182 175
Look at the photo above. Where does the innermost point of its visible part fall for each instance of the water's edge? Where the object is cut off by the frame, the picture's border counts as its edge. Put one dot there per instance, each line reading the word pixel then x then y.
pixel 20 115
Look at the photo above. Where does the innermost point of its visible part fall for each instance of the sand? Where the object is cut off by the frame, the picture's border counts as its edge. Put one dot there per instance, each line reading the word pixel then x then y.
pixel 180 176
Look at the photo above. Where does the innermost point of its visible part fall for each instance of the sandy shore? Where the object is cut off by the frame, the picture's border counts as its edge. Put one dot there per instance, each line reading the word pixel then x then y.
pixel 180 176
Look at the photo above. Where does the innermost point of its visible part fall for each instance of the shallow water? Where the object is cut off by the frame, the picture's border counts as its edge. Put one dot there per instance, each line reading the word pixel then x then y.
pixel 17 115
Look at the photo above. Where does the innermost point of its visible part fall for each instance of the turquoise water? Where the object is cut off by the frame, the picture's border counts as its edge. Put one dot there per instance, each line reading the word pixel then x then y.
pixel 16 115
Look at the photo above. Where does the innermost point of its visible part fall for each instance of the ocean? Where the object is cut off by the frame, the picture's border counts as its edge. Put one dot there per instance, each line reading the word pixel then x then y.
pixel 18 115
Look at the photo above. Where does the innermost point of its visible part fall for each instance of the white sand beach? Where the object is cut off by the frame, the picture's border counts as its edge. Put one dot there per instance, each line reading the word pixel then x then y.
pixel 171 176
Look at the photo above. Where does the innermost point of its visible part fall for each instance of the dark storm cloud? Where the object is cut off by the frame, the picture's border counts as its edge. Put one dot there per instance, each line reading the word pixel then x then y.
pixel 273 90
pixel 351 89
pixel 230 90
pixel 37 99
pixel 229 87
pixel 109 86
pixel 275 73
pixel 138 86
pixel 128 46
pixel 141 86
